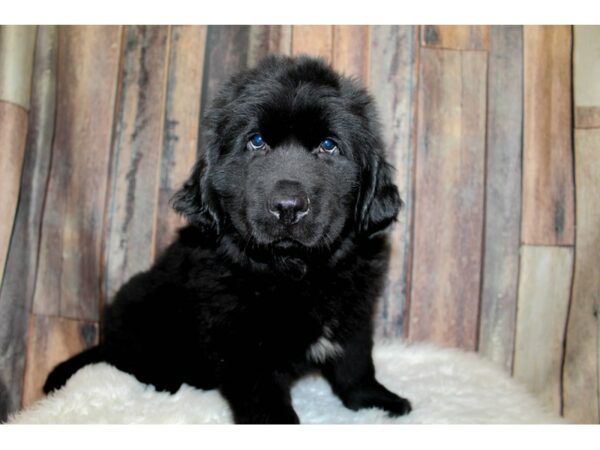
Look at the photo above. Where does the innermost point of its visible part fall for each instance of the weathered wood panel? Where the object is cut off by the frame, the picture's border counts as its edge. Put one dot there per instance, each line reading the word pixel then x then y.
pixel 548 214
pixel 16 293
pixel 268 39
pixel 13 132
pixel 70 265
pixel 136 155
pixel 458 37
pixel 313 40
pixel 351 51
pixel 449 194
pixel 182 115
pixel 503 195
pixel 544 291
pixel 586 70
pixel 393 82
pixel 581 377
pixel 16 63
pixel 51 341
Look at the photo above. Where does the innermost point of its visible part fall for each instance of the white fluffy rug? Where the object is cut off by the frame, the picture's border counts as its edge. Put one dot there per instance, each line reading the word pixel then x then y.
pixel 444 386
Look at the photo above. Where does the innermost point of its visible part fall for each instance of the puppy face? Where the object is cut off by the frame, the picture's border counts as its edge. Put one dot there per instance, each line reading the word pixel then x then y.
pixel 294 159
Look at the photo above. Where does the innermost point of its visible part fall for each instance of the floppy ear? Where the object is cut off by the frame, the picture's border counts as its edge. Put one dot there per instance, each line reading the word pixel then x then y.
pixel 379 200
pixel 192 200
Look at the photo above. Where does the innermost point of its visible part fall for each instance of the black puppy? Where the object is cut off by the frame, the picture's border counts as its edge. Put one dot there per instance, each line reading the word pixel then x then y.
pixel 278 272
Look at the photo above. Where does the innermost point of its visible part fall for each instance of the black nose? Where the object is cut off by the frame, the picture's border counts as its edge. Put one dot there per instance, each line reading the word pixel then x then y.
pixel 289 203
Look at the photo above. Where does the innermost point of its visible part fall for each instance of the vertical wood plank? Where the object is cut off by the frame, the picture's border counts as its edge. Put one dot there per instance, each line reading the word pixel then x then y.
pixel 16 63
pixel 16 292
pixel 182 116
pixel 51 341
pixel 136 156
pixel 393 83
pixel 457 37
pixel 586 67
pixel 268 39
pixel 503 195
pixel 70 265
pixel 351 51
pixel 449 198
pixel 544 291
pixel 313 40
pixel 548 214
pixel 581 374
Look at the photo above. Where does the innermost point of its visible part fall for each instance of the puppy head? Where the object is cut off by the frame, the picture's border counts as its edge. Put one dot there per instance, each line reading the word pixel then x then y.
pixel 294 159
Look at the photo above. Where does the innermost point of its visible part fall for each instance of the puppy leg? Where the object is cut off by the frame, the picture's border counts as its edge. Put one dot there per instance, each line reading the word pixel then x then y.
pixel 259 399
pixel 352 378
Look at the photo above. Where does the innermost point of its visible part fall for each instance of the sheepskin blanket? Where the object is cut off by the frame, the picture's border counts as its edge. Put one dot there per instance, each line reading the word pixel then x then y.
pixel 444 386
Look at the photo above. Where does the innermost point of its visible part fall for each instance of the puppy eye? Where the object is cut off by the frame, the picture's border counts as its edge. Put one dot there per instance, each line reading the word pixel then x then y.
pixel 328 146
pixel 257 142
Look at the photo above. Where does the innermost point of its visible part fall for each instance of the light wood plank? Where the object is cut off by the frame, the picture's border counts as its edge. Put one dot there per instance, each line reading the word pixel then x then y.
pixel 313 40
pixel 70 266
pixel 16 292
pixel 16 63
pixel 548 213
pixel 544 291
pixel 268 39
pixel 52 340
pixel 581 376
pixel 136 156
pixel 449 194
pixel 503 195
pixel 393 82
pixel 457 37
pixel 351 51
pixel 182 116
pixel 586 65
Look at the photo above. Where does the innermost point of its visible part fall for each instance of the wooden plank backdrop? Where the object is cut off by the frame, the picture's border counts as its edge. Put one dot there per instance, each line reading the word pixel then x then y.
pixel 477 122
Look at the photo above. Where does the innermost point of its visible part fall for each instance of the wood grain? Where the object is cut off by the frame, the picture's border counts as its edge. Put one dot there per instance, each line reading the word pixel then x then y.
pixel 181 119
pixel 587 117
pixel 393 82
pixel 503 195
pixel 70 266
pixel 16 63
pixel 13 132
pixel 136 156
pixel 548 214
pixel 544 291
pixel 313 40
pixel 16 291
pixel 449 194
pixel 51 341
pixel 581 374
pixel 268 39
pixel 457 37
pixel 586 65
pixel 351 51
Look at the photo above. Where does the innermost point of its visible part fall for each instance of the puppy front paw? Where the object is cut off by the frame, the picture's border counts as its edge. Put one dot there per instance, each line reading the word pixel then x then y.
pixel 396 407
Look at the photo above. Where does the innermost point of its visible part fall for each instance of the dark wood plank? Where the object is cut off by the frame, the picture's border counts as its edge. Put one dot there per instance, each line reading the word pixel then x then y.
pixel 182 116
pixel 393 82
pixel 449 194
pixel 544 291
pixel 351 50
pixel 70 266
pixel 136 156
pixel 503 195
pixel 51 341
pixel 457 37
pixel 16 63
pixel 16 292
pixel 268 39
pixel 313 40
pixel 581 374
pixel 548 214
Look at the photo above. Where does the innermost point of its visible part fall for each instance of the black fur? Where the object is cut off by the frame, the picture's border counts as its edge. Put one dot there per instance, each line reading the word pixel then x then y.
pixel 244 302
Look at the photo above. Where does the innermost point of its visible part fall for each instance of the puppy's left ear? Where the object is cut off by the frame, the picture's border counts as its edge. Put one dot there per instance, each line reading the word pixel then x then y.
pixel 193 200
pixel 379 201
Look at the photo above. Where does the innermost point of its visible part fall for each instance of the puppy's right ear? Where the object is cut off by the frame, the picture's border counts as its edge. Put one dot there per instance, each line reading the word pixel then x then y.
pixel 192 202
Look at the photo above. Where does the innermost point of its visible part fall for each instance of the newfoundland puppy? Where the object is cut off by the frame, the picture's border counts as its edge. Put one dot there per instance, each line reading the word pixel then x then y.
pixel 279 269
